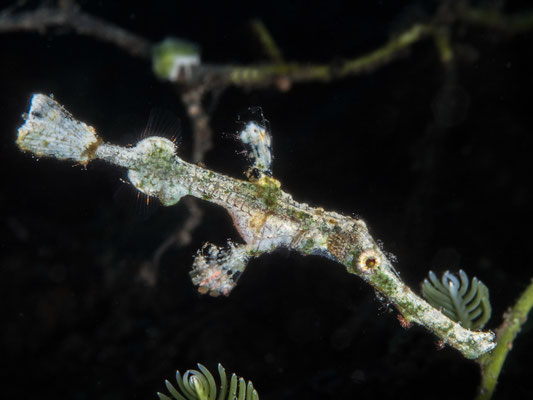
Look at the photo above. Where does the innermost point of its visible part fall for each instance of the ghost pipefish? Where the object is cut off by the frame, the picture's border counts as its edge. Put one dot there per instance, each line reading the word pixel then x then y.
pixel 266 217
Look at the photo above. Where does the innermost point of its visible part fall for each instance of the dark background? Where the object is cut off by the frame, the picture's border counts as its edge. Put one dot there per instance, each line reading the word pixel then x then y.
pixel 438 166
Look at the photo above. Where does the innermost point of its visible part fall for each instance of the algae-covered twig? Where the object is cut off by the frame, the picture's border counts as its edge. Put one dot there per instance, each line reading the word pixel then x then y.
pixel 491 363
pixel 266 217
pixel 278 70
pixel 493 18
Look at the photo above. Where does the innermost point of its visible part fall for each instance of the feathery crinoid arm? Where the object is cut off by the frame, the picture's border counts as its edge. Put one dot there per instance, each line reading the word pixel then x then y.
pixel 464 301
pixel 201 385
pixel 265 216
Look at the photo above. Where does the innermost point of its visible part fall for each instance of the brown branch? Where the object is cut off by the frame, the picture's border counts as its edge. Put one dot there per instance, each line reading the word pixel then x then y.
pixel 192 98
pixel 42 19
pixel 253 76
pixel 278 73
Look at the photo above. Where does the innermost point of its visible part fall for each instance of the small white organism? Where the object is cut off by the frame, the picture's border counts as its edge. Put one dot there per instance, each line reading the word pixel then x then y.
pixel 260 142
pixel 175 59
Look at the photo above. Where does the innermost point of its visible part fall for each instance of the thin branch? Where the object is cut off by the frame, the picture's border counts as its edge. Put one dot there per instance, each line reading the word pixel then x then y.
pixel 491 363
pixel 42 19
pixel 443 43
pixel 203 137
pixel 45 18
pixel 267 41
pixel 262 75
pixel 268 74
pixel 254 76
pixel 493 18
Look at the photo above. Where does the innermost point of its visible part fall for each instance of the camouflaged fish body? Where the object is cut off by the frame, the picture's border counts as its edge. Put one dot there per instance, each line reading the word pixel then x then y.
pixel 266 217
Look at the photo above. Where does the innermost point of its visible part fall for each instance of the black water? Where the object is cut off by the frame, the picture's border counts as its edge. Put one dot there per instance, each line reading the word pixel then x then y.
pixel 438 164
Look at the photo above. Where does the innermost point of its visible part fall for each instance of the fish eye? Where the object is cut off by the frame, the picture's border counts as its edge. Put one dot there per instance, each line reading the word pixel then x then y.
pixel 369 259
pixel 370 262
